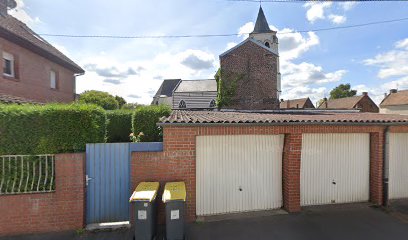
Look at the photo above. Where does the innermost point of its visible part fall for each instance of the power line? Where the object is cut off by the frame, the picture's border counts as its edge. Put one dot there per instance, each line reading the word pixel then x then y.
pixel 218 35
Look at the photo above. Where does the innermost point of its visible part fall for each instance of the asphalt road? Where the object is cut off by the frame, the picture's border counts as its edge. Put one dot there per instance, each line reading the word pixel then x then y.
pixel 357 221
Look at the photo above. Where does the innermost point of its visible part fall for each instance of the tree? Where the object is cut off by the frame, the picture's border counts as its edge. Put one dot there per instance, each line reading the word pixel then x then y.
pixel 131 106
pixel 342 91
pixel 103 99
pixel 120 100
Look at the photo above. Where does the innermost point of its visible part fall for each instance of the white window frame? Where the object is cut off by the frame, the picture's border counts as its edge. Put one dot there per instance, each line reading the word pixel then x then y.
pixel 9 57
pixel 53 79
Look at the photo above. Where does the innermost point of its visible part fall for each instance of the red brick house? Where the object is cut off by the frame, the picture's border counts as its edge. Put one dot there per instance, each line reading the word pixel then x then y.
pixel 302 103
pixel 32 69
pixel 363 103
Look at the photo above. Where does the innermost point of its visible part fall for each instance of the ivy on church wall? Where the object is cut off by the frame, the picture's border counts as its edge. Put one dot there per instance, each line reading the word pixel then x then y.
pixel 227 87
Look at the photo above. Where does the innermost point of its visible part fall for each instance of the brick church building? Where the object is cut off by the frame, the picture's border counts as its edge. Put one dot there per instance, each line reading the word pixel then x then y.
pixel 253 65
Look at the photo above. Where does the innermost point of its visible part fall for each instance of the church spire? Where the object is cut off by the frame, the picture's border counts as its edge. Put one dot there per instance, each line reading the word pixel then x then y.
pixel 261 25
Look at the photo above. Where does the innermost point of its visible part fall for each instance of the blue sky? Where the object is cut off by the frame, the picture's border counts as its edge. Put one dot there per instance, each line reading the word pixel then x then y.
pixel 372 58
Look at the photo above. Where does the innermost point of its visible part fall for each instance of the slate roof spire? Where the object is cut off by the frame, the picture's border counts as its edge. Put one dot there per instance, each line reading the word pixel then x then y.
pixel 261 25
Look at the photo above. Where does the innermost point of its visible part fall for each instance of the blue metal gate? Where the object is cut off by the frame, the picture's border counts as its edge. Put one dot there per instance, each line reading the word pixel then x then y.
pixel 108 180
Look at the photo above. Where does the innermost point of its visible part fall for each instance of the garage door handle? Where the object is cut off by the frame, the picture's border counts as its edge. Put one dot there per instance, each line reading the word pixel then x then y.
pixel 334 183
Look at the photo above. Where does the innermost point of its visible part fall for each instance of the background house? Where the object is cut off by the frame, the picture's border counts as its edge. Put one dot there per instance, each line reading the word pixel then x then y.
pixel 363 103
pixel 395 103
pixel 302 103
pixel 165 93
pixel 32 69
pixel 195 94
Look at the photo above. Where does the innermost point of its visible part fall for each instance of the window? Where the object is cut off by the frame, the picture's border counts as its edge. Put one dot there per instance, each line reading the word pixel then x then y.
pixel 182 104
pixel 8 64
pixel 267 44
pixel 53 79
pixel 212 104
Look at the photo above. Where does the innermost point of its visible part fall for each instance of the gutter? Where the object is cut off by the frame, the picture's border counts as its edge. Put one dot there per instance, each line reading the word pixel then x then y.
pixel 283 124
pixel 386 149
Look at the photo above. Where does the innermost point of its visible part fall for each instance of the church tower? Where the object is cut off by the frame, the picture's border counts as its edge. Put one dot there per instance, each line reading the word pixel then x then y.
pixel 252 68
pixel 263 34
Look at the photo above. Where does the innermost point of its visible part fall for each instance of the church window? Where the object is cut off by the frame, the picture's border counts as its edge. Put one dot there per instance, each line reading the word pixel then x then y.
pixel 267 44
pixel 182 104
pixel 212 104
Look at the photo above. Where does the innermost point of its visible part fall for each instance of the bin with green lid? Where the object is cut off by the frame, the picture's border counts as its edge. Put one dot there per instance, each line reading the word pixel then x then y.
pixel 144 202
pixel 174 197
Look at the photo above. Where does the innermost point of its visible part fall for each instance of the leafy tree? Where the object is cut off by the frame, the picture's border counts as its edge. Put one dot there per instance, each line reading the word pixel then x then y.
pixel 342 91
pixel 103 99
pixel 120 100
pixel 131 106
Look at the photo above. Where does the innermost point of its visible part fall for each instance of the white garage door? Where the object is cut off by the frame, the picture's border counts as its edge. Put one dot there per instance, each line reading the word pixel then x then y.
pixel 238 173
pixel 398 166
pixel 335 168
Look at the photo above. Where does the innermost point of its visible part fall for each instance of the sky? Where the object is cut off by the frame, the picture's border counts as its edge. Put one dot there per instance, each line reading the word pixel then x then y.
pixel 372 58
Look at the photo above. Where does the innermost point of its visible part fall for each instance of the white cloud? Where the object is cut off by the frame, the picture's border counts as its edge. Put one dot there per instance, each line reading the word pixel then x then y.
pixel 337 19
pixel 402 44
pixel 347 5
pixel 392 66
pixel 198 60
pixel 316 11
pixel 294 44
pixel 246 29
pixel 106 74
pixel 393 63
pixel 302 74
pixel 20 13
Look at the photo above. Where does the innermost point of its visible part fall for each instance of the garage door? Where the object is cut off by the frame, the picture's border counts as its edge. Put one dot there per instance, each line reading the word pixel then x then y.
pixel 334 168
pixel 238 173
pixel 398 166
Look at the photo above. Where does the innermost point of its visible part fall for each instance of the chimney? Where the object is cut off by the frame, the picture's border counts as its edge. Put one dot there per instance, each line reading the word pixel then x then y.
pixel 393 91
pixel 365 93
pixel 325 103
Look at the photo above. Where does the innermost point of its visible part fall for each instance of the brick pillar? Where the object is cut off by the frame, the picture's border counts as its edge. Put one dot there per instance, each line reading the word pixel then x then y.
pixel 376 167
pixel 291 172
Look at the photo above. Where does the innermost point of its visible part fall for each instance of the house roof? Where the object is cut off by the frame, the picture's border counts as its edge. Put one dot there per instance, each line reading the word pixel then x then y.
pixel 342 103
pixel 261 25
pixel 4 98
pixel 167 87
pixel 18 33
pixel 395 99
pixel 293 103
pixel 209 85
pixel 316 117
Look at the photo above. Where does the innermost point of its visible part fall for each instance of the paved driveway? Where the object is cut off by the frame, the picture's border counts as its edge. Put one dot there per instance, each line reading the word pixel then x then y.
pixel 326 223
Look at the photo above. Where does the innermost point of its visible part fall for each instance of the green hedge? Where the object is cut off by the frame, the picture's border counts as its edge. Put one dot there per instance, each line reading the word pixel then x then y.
pixel 119 125
pixel 144 120
pixel 49 129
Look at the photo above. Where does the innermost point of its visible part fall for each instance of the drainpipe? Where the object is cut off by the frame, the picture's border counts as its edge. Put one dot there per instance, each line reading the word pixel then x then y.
pixel 386 165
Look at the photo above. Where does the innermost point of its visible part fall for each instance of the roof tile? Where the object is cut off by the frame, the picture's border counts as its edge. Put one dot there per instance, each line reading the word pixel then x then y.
pixel 219 117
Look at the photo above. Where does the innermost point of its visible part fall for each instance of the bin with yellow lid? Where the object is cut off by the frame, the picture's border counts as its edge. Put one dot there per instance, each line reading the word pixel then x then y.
pixel 174 197
pixel 145 209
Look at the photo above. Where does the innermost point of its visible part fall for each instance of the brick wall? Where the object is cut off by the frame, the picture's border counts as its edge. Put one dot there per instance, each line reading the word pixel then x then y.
pixel 177 162
pixel 33 77
pixel 48 212
pixel 257 90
